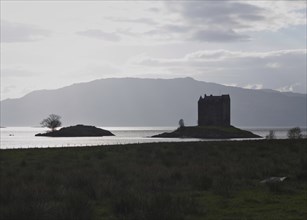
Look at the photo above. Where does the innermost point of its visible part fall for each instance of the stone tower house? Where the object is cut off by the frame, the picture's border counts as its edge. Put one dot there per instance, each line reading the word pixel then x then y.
pixel 214 110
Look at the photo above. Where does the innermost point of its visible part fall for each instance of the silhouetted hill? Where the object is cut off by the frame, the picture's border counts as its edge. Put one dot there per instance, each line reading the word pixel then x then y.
pixel 151 102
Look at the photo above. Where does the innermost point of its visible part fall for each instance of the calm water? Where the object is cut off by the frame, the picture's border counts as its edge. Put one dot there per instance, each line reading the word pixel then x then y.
pixel 23 137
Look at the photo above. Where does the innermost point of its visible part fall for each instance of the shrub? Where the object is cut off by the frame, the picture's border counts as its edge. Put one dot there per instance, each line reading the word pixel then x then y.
pixel 295 133
pixel 181 123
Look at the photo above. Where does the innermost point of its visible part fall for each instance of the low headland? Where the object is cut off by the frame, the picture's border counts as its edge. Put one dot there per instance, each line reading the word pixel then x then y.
pixel 165 181
pixel 77 131
pixel 208 132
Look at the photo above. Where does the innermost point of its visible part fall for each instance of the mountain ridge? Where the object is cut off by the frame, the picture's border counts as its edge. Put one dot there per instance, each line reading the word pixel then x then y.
pixel 137 78
pixel 151 102
pixel 74 84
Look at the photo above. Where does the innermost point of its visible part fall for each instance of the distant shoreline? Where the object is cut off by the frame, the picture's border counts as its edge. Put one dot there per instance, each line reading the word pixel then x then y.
pixel 23 137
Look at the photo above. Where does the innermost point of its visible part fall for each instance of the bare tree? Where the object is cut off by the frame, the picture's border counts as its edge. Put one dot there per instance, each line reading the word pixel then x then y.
pixel 52 122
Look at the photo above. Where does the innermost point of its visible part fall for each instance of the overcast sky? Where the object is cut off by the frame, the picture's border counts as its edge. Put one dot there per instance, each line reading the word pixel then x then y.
pixel 250 44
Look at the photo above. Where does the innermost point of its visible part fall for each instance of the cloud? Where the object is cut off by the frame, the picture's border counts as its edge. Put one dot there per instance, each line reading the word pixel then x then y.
pixel 208 56
pixel 288 88
pixel 211 55
pixel 148 21
pixel 255 70
pixel 241 15
pixel 227 21
pixel 175 28
pixel 281 14
pixel 18 72
pixel 12 32
pixel 202 21
pixel 195 20
pixel 217 12
pixel 219 36
pixel 99 34
pixel 154 9
pixel 253 86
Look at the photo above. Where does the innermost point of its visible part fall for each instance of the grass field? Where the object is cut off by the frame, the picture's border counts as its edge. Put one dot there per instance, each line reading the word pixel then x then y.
pixel 199 180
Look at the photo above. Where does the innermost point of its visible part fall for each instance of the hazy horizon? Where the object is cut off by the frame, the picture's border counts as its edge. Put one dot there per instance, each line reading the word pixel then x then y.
pixel 246 44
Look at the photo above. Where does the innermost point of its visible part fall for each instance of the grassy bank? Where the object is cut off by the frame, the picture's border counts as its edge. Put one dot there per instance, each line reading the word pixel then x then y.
pixel 203 180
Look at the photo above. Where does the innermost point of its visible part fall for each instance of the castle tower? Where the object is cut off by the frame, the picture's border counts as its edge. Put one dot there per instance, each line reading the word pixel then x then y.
pixel 214 110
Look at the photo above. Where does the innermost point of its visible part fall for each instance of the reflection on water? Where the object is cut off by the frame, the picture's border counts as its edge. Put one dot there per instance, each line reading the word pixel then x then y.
pixel 23 137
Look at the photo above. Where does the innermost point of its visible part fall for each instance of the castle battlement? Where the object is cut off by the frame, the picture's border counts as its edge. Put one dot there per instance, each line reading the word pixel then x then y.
pixel 214 110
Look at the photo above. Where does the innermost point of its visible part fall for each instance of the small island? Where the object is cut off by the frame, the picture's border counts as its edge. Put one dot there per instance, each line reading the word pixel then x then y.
pixel 213 122
pixel 77 131
pixel 208 132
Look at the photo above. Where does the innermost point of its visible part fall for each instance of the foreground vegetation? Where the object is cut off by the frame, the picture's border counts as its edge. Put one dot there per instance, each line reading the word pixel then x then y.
pixel 200 180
